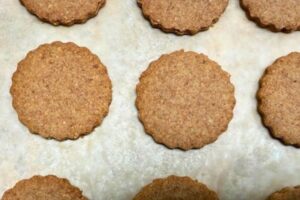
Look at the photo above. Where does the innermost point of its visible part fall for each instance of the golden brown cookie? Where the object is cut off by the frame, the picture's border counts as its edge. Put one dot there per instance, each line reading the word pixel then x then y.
pixel 279 99
pixel 289 193
pixel 280 15
pixel 183 16
pixel 176 188
pixel 185 100
pixel 64 12
pixel 61 91
pixel 44 188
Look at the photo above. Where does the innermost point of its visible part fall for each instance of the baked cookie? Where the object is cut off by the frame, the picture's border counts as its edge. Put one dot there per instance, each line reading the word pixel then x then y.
pixel 64 12
pixel 176 188
pixel 183 16
pixel 185 100
pixel 280 15
pixel 289 193
pixel 44 188
pixel 61 91
pixel 279 99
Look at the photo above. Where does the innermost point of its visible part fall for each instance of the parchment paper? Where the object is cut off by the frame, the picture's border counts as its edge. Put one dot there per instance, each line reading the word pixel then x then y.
pixel 118 158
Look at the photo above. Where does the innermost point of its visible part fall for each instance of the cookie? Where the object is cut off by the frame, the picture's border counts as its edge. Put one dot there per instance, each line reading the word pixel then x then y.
pixel 61 91
pixel 64 12
pixel 280 15
pixel 279 99
pixel 183 16
pixel 176 188
pixel 289 193
pixel 185 100
pixel 44 188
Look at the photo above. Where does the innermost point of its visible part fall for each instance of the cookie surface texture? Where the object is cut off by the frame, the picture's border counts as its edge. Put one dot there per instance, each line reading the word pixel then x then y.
pixel 44 188
pixel 289 193
pixel 185 100
pixel 61 91
pixel 279 15
pixel 64 12
pixel 176 188
pixel 183 16
pixel 279 99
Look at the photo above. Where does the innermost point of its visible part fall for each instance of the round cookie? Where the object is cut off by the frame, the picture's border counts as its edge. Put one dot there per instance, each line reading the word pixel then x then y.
pixel 185 100
pixel 183 16
pixel 64 12
pixel 176 188
pixel 280 15
pixel 61 91
pixel 44 188
pixel 279 99
pixel 289 193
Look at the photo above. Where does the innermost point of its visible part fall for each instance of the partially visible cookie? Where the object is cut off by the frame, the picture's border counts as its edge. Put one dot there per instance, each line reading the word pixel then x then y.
pixel 61 91
pixel 185 100
pixel 280 15
pixel 183 16
pixel 289 193
pixel 44 188
pixel 176 188
pixel 279 99
pixel 64 12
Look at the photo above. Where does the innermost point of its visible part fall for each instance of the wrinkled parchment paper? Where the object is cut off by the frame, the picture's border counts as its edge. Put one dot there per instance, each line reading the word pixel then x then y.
pixel 118 158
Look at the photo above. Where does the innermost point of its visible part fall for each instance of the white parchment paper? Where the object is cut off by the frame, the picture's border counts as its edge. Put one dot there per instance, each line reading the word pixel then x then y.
pixel 118 158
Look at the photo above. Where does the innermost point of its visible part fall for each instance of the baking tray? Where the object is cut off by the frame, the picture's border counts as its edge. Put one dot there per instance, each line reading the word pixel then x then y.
pixel 118 158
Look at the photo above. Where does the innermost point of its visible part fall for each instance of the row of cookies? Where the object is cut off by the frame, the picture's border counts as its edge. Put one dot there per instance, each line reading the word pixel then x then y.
pixel 176 16
pixel 184 99
pixel 172 187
